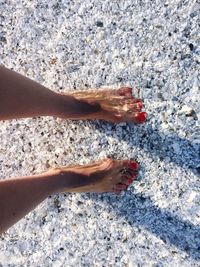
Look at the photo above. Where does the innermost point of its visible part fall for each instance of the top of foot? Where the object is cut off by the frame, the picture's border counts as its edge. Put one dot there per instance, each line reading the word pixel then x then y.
pixel 113 105
pixel 104 176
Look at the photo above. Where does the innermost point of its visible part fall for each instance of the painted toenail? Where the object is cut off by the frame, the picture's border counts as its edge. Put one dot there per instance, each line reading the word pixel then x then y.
pixel 134 165
pixel 139 105
pixel 137 100
pixel 130 181
pixel 141 117
pixel 134 176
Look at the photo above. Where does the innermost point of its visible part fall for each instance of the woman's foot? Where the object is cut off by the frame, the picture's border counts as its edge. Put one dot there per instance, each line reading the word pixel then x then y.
pixel 110 105
pixel 104 176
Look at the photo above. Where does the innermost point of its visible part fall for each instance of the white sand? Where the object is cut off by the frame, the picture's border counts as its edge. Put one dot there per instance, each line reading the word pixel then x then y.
pixel 149 45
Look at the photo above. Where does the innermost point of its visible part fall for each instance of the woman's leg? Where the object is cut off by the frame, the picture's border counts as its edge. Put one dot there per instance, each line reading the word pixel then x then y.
pixel 21 97
pixel 18 196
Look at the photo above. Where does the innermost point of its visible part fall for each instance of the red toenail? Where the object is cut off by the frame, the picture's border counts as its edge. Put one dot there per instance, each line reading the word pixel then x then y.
pixel 137 100
pixel 141 117
pixel 139 105
pixel 134 165
pixel 130 181
pixel 134 176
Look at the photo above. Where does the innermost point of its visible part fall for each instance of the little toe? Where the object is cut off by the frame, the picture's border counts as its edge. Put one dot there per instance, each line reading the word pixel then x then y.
pixel 128 167
pixel 129 174
pixel 129 179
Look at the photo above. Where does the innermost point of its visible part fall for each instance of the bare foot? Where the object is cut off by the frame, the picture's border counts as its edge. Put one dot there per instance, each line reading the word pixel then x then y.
pixel 110 105
pixel 104 176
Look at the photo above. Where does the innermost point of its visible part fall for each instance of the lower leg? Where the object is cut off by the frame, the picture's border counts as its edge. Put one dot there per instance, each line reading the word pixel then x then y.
pixel 21 97
pixel 18 196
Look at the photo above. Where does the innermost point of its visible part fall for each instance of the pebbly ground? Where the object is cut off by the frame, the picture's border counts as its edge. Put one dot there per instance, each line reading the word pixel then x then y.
pixel 72 45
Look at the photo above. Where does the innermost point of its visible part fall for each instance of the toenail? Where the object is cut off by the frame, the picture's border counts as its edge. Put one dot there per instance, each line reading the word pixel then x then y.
pixel 130 181
pixel 139 105
pixel 134 165
pixel 133 177
pixel 142 116
pixel 137 100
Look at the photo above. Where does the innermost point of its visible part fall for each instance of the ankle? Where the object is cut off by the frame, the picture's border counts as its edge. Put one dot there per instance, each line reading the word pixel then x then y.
pixel 69 107
pixel 54 180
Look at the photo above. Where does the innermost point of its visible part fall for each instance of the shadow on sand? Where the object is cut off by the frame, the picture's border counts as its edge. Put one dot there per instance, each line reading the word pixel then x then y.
pixel 142 212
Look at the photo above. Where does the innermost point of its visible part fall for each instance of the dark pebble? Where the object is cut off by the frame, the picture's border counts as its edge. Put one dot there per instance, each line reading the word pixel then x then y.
pixel 3 39
pixel 99 24
pixel 191 46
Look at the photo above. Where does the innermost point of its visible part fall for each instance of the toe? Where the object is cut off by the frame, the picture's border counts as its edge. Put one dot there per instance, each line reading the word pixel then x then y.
pixel 128 172
pixel 128 180
pixel 131 105
pixel 139 105
pixel 133 165
pixel 128 166
pixel 136 107
pixel 139 117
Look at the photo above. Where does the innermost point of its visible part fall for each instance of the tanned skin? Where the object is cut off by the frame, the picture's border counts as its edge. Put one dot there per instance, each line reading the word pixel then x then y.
pixel 21 97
